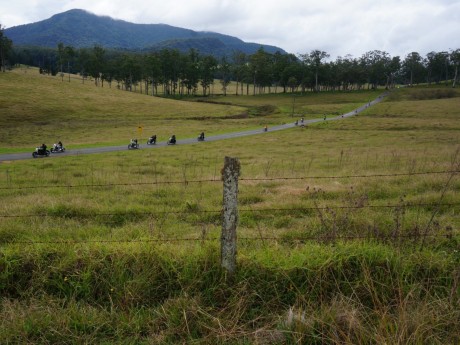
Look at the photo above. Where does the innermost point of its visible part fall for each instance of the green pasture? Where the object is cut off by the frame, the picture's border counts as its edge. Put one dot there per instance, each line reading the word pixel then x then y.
pixel 39 108
pixel 348 230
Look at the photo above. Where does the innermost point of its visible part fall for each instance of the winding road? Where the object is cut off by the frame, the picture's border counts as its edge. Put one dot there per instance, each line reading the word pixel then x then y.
pixel 28 155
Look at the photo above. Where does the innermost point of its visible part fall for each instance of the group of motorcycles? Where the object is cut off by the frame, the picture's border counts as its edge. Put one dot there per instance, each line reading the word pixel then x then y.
pixel 42 150
pixel 153 140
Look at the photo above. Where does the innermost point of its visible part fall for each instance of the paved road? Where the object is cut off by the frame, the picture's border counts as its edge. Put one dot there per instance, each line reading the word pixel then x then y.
pixel 70 152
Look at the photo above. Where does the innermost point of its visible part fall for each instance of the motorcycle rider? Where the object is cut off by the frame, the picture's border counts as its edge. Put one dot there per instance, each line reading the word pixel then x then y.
pixel 201 137
pixel 153 139
pixel 42 149
pixel 58 146
pixel 172 140
pixel 133 142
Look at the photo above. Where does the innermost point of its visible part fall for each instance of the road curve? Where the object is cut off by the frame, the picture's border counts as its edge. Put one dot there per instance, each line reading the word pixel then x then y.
pixel 21 156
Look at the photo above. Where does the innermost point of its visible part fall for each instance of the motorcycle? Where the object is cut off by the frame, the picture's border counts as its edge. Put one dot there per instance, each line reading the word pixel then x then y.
pixel 200 138
pixel 133 146
pixel 39 152
pixel 171 141
pixel 57 148
pixel 152 141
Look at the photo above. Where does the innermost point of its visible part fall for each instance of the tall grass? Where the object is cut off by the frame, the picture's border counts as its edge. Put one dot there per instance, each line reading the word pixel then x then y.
pixel 344 293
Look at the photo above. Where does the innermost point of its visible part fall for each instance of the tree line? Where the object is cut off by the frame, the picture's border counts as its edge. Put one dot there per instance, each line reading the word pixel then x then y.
pixel 185 73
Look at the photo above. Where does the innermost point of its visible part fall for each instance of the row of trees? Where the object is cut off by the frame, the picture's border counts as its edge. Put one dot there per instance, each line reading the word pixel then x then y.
pixel 184 73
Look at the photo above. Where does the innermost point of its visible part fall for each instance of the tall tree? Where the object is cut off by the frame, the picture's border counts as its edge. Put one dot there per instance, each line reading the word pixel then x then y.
pixel 315 59
pixel 69 55
pixel 224 72
pixel 377 63
pixel 262 69
pixel 153 72
pixel 189 70
pixel 5 47
pixel 239 68
pixel 97 64
pixel 393 69
pixel 455 59
pixel 207 67
pixel 413 68
pixel 61 59
pixel 280 63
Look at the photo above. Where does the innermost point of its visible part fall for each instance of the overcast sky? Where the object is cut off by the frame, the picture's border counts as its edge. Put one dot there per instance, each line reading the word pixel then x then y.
pixel 339 27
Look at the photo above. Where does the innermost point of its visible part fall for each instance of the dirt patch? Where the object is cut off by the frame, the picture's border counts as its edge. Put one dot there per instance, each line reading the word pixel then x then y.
pixel 226 117
pixel 433 94
pixel 262 110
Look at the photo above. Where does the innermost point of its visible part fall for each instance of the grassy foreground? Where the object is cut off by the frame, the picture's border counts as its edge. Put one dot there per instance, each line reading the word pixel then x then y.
pixel 347 293
pixel 348 230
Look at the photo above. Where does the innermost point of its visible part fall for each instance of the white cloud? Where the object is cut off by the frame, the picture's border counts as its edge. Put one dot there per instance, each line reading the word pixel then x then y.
pixel 340 28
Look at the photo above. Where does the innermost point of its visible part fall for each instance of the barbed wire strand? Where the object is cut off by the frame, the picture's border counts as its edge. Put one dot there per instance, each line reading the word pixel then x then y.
pixel 252 210
pixel 258 238
pixel 219 211
pixel 219 180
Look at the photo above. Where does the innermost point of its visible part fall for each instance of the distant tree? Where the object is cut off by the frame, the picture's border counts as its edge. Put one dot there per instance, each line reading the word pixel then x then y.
pixel 315 59
pixel 189 70
pixel 413 68
pixel 430 62
pixel 5 47
pixel 280 64
pixel 152 72
pixel 292 83
pixel 83 58
pixel 392 71
pixel 69 56
pixel 261 65
pixel 352 73
pixel 239 69
pixel 455 59
pixel 170 60
pixel 444 57
pixel 61 58
pixel 97 64
pixel 207 67
pixel 224 72
pixel 376 63
pixel 291 76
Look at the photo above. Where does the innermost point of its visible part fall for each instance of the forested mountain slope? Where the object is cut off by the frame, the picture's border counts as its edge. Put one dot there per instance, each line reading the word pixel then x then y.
pixel 79 28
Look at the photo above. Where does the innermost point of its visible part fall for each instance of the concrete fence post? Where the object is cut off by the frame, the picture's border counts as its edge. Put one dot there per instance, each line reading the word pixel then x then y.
pixel 230 174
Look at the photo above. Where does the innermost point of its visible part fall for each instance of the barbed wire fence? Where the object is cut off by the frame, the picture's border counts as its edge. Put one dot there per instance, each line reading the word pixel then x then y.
pixel 230 236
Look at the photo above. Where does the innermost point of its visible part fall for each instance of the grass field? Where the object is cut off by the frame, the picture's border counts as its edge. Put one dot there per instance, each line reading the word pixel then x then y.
pixel 348 230
pixel 40 108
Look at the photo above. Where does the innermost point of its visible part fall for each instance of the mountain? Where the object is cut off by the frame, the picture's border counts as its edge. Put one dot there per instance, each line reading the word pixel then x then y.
pixel 79 28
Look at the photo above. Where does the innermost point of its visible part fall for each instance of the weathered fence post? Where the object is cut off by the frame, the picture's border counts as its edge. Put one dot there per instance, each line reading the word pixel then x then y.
pixel 230 174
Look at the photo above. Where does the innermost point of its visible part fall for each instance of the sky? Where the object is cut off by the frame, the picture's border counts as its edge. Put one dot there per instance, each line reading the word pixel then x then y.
pixel 340 28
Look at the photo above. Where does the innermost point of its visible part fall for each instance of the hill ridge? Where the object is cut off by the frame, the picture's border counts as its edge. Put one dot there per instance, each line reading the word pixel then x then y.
pixel 80 28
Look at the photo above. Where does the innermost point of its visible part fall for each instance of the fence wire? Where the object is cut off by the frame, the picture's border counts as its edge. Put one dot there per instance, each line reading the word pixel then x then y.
pixel 322 238
pixel 251 210
pixel 186 182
